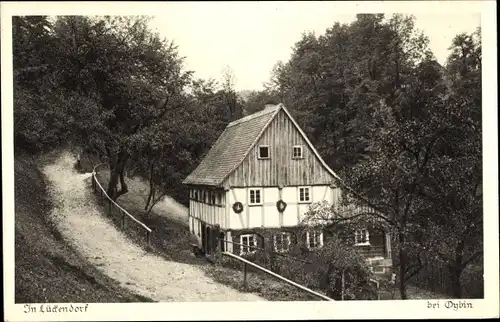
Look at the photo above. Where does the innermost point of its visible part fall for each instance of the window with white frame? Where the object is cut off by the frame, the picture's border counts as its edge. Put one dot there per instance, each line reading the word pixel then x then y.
pixel 248 242
pixel 314 239
pixel 263 152
pixel 361 237
pixel 304 194
pixel 255 196
pixel 282 242
pixel 297 152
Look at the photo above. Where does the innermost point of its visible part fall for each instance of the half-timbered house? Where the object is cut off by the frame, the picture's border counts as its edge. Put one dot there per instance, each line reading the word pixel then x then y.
pixel 263 174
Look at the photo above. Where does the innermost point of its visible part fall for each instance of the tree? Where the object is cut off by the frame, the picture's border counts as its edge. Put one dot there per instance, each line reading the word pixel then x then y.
pixel 257 100
pixel 129 77
pixel 38 113
pixel 231 100
pixel 389 113
pixel 378 107
pixel 453 187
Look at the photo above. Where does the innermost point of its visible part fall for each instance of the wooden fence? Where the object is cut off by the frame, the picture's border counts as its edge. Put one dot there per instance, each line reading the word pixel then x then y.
pixel 435 277
pixel 116 209
pixel 223 245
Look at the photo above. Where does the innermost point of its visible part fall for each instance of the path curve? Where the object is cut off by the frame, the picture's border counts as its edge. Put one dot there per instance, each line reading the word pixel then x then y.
pixel 90 233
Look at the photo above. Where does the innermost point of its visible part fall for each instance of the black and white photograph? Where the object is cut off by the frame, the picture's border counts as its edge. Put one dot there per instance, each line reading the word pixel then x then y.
pixel 336 159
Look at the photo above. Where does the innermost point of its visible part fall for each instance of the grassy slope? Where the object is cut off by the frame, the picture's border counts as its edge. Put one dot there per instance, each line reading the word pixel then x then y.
pixel 46 268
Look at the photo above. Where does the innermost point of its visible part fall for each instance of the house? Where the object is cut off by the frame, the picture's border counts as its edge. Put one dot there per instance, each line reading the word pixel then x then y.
pixel 256 183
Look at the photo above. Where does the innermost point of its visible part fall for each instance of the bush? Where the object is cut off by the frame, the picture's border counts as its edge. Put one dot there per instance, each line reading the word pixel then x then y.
pixel 321 270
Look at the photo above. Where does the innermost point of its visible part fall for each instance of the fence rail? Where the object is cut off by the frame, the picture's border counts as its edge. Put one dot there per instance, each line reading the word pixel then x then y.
pixel 98 188
pixel 262 269
pixel 256 248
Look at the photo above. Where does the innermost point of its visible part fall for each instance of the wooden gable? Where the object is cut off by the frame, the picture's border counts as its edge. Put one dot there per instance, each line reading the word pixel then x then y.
pixel 281 169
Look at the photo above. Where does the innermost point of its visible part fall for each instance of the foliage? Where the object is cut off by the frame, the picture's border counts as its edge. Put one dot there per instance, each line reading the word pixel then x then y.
pixel 399 129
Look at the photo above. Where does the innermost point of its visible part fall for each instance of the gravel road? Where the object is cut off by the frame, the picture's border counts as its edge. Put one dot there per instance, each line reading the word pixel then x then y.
pixel 92 235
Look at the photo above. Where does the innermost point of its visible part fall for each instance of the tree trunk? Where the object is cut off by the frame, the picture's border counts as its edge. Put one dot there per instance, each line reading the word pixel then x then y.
pixel 150 197
pixel 123 184
pixel 117 167
pixel 154 202
pixel 152 188
pixel 456 270
pixel 456 287
pixel 402 267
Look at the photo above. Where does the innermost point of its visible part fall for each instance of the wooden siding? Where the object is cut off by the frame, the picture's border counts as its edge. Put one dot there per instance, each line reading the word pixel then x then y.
pixel 202 209
pixel 280 169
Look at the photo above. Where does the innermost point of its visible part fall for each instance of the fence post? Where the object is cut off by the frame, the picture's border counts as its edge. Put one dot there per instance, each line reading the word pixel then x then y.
pixel 148 238
pixel 245 285
pixel 109 207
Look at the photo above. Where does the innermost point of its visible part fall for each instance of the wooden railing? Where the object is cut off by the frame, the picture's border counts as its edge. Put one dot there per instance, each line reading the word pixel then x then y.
pixel 113 206
pixel 255 248
pixel 273 274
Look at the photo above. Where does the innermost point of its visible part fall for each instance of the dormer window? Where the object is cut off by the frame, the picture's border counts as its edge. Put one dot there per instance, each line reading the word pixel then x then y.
pixel 297 152
pixel 263 152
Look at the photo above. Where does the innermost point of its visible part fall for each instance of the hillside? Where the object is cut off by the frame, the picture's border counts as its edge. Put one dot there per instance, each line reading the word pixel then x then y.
pixel 46 268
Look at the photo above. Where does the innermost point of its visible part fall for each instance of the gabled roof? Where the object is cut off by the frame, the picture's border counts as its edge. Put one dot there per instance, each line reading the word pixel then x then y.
pixel 235 143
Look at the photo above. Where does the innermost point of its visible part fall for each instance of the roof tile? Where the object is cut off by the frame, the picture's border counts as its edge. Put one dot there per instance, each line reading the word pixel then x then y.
pixel 231 148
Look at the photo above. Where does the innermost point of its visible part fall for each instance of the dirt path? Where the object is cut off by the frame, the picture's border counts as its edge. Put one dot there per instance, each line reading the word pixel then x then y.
pixel 95 237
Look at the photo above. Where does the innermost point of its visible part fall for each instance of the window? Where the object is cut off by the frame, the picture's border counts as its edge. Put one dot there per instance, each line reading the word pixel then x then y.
pixel 297 152
pixel 314 239
pixel 255 196
pixel 196 195
pixel 282 242
pixel 248 244
pixel 214 200
pixel 361 237
pixel 263 152
pixel 304 194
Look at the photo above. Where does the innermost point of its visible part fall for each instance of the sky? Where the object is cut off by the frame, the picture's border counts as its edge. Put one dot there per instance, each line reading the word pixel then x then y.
pixel 250 37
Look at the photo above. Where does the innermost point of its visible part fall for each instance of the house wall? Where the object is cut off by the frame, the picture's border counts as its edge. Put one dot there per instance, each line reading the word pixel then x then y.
pixel 203 207
pixel 280 169
pixel 267 214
